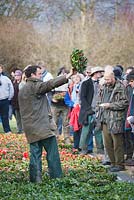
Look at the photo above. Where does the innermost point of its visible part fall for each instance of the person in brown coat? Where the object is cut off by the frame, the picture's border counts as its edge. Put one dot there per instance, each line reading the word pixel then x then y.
pixel 38 123
pixel 113 103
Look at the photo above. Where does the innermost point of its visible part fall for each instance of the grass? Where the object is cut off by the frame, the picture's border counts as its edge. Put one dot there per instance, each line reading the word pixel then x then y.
pixel 12 125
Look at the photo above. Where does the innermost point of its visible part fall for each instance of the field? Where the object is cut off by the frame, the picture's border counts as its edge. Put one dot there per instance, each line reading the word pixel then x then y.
pixel 84 178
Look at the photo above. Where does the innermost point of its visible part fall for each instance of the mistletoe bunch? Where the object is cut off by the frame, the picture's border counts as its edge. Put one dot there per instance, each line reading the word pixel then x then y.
pixel 78 60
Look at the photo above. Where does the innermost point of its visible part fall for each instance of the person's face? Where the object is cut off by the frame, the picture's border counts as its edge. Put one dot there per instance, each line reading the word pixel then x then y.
pixel 109 80
pixel 88 73
pixel 17 77
pixel 77 80
pixel 1 70
pixel 37 74
pixel 128 71
pixel 131 83
pixel 97 75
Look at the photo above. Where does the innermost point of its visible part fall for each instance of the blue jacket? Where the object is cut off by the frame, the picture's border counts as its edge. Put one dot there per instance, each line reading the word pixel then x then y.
pixel 68 101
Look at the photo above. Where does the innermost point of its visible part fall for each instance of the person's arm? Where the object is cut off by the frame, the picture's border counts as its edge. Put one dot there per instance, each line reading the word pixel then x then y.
pixel 121 104
pixel 45 87
pixel 11 90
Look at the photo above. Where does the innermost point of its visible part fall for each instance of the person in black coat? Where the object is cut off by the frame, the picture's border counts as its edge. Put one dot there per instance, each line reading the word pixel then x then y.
pixel 86 113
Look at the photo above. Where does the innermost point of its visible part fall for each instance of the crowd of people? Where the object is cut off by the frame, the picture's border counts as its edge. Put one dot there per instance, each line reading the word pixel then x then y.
pixel 95 108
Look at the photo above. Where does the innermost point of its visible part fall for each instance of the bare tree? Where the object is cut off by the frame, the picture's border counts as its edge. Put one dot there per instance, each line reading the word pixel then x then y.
pixel 19 43
pixel 22 9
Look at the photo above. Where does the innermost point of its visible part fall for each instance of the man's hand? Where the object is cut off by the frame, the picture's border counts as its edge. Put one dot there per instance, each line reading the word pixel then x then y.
pixel 70 73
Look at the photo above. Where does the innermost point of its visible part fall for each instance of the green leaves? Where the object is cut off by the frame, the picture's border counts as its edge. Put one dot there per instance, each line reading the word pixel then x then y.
pixel 84 178
pixel 77 184
pixel 78 60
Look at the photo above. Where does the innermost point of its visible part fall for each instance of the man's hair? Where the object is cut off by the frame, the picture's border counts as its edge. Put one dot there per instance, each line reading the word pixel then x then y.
pixel 120 67
pixel 117 72
pixel 109 74
pixel 130 76
pixel 31 70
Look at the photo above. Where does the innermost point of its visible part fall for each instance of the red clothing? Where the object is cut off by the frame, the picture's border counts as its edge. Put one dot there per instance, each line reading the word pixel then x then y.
pixel 74 118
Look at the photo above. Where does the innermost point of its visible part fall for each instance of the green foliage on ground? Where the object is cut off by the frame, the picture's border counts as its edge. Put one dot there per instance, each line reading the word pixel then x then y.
pixel 12 124
pixel 89 181
pixel 84 178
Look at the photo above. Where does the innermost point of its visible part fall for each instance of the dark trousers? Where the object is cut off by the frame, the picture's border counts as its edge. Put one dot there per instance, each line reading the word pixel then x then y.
pixel 53 159
pixel 129 144
pixel 90 143
pixel 86 133
pixel 59 125
pixel 18 120
pixel 4 110
pixel 76 138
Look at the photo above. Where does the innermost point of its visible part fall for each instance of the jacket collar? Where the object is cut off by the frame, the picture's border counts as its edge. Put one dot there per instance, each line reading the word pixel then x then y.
pixel 34 79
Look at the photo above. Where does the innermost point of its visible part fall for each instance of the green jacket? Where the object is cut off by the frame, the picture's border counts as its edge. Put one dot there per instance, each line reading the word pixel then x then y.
pixel 114 116
pixel 35 110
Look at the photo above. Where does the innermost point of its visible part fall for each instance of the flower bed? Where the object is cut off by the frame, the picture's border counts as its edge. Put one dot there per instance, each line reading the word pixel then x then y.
pixel 84 177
